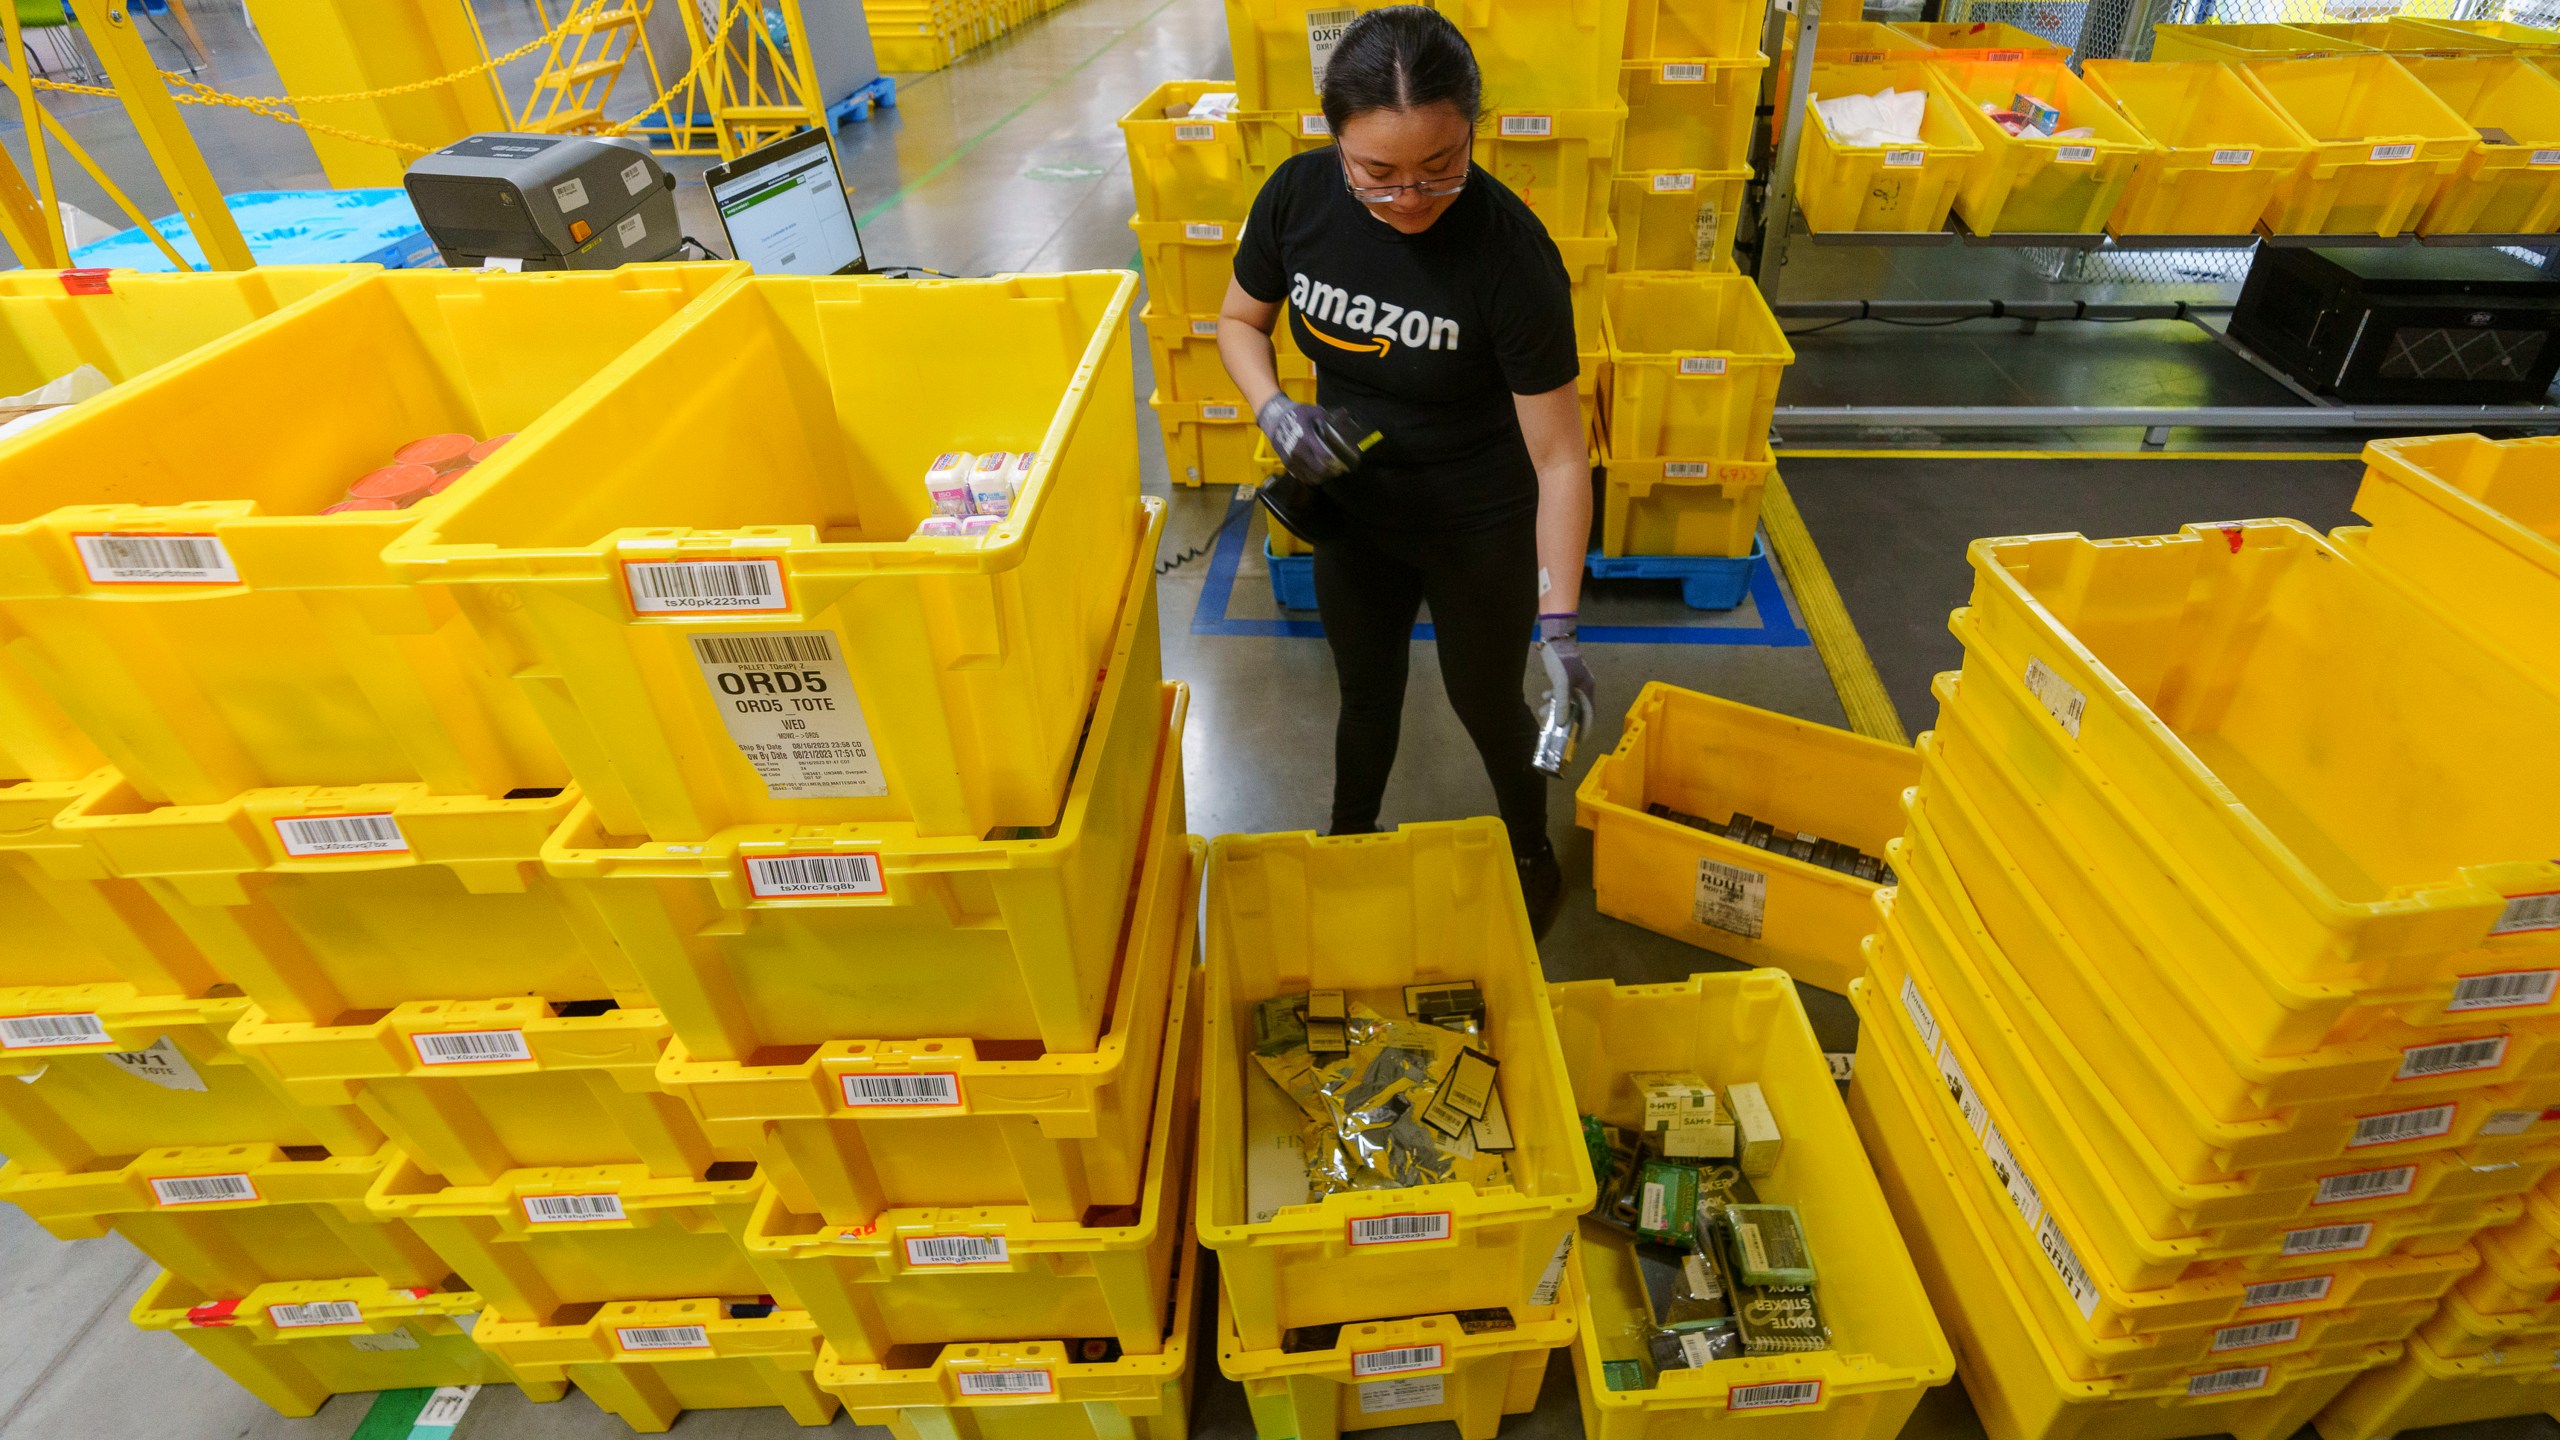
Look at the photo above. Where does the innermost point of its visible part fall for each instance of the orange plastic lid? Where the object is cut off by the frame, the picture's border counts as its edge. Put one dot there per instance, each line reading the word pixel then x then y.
pixel 394 483
pixel 488 447
pixel 367 502
pixel 442 451
pixel 445 482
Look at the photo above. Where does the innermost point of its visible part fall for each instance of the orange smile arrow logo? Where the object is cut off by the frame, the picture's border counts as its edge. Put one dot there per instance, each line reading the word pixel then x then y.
pixel 1379 343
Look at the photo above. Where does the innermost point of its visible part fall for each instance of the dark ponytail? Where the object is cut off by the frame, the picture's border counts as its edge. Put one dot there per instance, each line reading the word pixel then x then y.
pixel 1403 57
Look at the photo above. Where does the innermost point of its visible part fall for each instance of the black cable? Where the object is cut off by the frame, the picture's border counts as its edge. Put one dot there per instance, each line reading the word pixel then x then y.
pixel 897 270
pixel 1210 545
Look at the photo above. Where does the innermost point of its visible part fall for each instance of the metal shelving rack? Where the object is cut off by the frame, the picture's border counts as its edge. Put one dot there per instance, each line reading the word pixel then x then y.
pixel 1777 229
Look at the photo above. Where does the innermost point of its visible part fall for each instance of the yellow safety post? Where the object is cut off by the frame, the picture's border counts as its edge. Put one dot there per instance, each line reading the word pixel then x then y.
pixel 155 118
pixel 348 55
pixel 754 92
pixel 590 48
pixel 30 222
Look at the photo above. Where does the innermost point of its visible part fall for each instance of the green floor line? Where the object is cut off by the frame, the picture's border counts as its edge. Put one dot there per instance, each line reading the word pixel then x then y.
pixel 393 1412
pixel 974 141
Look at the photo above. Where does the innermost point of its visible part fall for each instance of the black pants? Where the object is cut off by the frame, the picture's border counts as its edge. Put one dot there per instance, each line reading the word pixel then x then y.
pixel 1483 591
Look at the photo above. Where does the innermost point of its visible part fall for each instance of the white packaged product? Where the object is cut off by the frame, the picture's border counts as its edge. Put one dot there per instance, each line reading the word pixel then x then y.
pixel 937 525
pixel 946 483
pixel 1888 117
pixel 980 524
pixel 991 484
pixel 1023 463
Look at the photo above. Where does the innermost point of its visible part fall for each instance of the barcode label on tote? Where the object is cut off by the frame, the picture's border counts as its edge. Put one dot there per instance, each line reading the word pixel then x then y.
pixel 1313 125
pixel 790 877
pixel 316 1312
pixel 1684 469
pixel 1006 1382
pixel 1526 127
pixel 1400 1229
pixel 2327 1239
pixel 2365 1185
pixel 1202 230
pixel 38 1032
pixel 1195 132
pixel 1960 1088
pixel 202 1189
pixel 472 1047
pixel 1731 898
pixel 2285 1292
pixel 307 835
pixel 1701 364
pixel 2545 157
pixel 2527 913
pixel 936 1089
pixel 572 1209
pixel 1212 410
pixel 2234 157
pixel 693 587
pixel 1922 1021
pixel 2076 155
pixel 2394 152
pixel 2454 1057
pixel 2250 1337
pixel 2509 1122
pixel 663 1337
pixel 1998 56
pixel 2505 990
pixel 1365 1363
pixel 2060 698
pixel 2401 1125
pixel 1683 73
pixel 1204 329
pixel 958 1250
pixel 2227 1382
pixel 1905 159
pixel 1780 1395
pixel 155 560
pixel 788 703
pixel 2066 1264
pixel 2013 1176
pixel 1675 182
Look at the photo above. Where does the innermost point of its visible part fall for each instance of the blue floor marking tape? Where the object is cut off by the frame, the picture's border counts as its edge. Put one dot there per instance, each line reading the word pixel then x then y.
pixel 1778 628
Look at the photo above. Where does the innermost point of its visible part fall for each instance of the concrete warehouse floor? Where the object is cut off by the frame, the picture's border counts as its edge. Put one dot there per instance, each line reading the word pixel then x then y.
pixel 1013 160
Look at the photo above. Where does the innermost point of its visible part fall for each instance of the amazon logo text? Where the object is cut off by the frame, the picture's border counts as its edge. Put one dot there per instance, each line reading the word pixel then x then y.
pixel 1383 324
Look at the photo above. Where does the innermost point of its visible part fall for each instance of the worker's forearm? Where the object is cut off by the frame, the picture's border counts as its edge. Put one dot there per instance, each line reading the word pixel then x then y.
pixel 1564 533
pixel 1247 354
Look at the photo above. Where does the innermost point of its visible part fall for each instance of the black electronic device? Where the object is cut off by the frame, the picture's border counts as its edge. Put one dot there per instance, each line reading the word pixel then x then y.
pixel 2418 325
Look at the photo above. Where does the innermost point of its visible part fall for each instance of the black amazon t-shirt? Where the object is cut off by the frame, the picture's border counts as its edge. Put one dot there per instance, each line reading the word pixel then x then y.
pixel 1424 337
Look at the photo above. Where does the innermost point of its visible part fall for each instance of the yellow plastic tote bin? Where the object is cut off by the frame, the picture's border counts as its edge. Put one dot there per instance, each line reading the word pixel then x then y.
pixel 1557 161
pixel 2235 43
pixel 1368 915
pixel 295 1344
pixel 1187 263
pixel 1033 1389
pixel 187 1087
pixel 1886 1350
pixel 2439 38
pixel 649 1361
pixel 2231 685
pixel 956 1274
pixel 2457 1330
pixel 1675 219
pixel 2010 1369
pixel 1713 759
pixel 127 323
pixel 1208 442
pixel 2499 1287
pixel 227 1219
pixel 767 936
pixel 1883 187
pixel 1410 1371
pixel 1694 364
pixel 75 941
pixel 166 575
pixel 318 902
pixel 535 1240
pixel 1281 46
pixel 1723 29
pixel 1187 169
pixel 1847 42
pixel 1681 507
pixel 1982 40
pixel 862 1126
pixel 2509 188
pixel 751 480
pixel 474 1088
pixel 1692 113
pixel 2474 525
pixel 1563 55
pixel 2041 184
pixel 1184 351
pixel 2219 149
pixel 2422 1390
pixel 2382 144
pixel 2207 1110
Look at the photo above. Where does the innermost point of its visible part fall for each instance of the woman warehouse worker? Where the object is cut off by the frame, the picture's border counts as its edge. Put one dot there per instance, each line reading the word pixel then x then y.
pixel 1438 315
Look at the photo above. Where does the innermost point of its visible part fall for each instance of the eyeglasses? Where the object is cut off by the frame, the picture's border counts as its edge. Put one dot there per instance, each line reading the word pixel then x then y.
pixel 1381 194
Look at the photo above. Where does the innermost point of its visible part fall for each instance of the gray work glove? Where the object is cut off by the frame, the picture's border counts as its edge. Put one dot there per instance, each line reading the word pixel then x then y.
pixel 1557 633
pixel 1314 444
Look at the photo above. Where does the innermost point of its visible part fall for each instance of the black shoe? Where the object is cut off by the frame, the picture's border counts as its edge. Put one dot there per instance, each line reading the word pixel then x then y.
pixel 1541 888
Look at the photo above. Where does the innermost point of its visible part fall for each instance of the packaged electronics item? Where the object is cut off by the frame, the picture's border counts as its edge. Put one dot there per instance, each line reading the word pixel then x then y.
pixel 1681 1120
pixel 1492 1130
pixel 1366 1105
pixel 1452 1005
pixel 1280 1025
pixel 1798 845
pixel 1693 1349
pixel 1464 1095
pixel 1666 1201
pixel 1685 1287
pixel 1769 1245
pixel 935 525
pixel 946 483
pixel 991 483
pixel 1760 1142
pixel 1327 1031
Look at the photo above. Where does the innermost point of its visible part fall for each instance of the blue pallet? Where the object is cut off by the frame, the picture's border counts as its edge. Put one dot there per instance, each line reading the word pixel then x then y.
pixel 857 106
pixel 287 227
pixel 1707 582
pixel 1293 579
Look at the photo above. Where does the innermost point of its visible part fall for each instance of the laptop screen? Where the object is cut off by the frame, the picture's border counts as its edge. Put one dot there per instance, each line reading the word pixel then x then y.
pixel 786 211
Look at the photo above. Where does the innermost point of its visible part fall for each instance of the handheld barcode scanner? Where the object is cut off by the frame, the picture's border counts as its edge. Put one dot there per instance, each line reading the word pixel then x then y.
pixel 1300 504
pixel 1564 713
